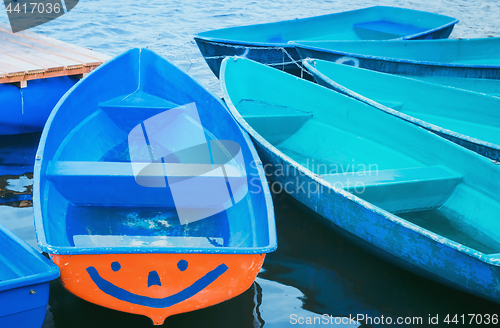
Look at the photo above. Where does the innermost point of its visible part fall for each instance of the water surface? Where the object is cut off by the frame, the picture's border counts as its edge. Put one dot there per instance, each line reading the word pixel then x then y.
pixel 314 271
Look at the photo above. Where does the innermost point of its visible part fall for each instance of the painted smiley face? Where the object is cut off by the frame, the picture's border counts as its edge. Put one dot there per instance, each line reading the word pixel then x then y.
pixel 154 279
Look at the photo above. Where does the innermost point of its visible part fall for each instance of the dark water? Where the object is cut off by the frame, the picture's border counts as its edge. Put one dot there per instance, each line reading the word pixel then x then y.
pixel 314 271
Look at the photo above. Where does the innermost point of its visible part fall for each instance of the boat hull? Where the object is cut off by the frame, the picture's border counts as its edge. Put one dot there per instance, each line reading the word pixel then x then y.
pixel 402 68
pixel 152 279
pixel 24 282
pixel 379 235
pixel 283 57
pixel 26 110
pixel 272 48
pixel 444 59
pixel 328 75
pixel 24 307
pixel 408 218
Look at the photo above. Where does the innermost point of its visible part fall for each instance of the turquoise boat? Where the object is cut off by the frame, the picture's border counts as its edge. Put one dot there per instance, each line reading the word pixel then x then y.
pixel 486 86
pixel 407 195
pixel 268 43
pixel 467 118
pixel 452 58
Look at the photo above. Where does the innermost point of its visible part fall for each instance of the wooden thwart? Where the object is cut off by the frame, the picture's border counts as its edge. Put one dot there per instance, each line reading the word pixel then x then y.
pixel 28 56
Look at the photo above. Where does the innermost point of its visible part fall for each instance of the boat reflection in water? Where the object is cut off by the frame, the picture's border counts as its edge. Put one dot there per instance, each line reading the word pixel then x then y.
pixel 17 156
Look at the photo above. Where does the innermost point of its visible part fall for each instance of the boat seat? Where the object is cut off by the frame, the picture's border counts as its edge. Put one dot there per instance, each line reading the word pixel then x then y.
pixel 275 123
pixel 379 30
pixel 400 190
pixel 129 110
pixel 137 100
pixel 97 183
pixel 137 241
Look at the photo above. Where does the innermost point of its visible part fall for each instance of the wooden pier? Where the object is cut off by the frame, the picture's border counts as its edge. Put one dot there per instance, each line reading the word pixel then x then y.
pixel 28 56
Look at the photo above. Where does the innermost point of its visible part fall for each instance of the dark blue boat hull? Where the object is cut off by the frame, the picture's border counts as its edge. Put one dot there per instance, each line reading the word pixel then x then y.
pixel 270 43
pixel 284 57
pixel 387 65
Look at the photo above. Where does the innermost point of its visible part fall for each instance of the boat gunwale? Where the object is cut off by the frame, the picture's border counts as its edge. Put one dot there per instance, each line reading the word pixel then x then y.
pixel 243 44
pixel 408 118
pixel 300 45
pixel 201 36
pixel 51 271
pixel 492 259
pixel 70 250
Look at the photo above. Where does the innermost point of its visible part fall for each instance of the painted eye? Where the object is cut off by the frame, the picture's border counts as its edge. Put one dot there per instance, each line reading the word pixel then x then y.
pixel 115 266
pixel 182 265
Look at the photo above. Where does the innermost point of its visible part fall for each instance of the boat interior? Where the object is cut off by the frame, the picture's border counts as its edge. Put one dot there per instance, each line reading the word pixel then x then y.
pixel 442 106
pixel 17 261
pixel 375 23
pixel 136 167
pixel 394 165
pixel 488 86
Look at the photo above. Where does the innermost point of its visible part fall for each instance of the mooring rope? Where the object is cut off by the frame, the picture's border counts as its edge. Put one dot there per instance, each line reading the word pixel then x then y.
pixel 298 63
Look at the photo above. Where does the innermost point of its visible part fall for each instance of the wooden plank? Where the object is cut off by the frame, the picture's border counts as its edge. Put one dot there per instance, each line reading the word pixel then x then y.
pixel 87 61
pixel 27 56
pixel 28 67
pixel 44 58
pixel 10 70
pixel 84 51
pixel 52 41
pixel 21 84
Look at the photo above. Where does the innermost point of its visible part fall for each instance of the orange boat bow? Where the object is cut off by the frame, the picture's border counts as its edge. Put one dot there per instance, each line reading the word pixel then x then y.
pixel 158 285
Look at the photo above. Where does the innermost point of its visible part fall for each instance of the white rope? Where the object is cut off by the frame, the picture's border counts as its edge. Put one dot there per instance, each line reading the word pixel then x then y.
pixel 283 49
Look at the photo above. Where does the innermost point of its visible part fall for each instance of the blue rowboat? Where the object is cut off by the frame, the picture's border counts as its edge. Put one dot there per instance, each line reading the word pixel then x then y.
pixel 467 118
pixel 398 190
pixel 25 110
pixel 464 58
pixel 268 43
pixel 24 282
pixel 147 194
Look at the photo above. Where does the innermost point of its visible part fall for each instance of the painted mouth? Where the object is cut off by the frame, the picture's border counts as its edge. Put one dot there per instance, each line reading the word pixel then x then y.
pixel 126 296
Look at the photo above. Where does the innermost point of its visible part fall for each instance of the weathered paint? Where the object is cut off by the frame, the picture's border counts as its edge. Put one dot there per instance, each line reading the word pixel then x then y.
pixel 442 110
pixel 407 244
pixel 268 43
